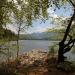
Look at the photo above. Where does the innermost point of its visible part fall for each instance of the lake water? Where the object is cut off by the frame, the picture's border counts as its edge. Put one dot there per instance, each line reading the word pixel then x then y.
pixel 27 45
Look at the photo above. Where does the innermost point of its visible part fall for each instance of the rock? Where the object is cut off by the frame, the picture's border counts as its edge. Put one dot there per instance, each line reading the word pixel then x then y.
pixel 33 55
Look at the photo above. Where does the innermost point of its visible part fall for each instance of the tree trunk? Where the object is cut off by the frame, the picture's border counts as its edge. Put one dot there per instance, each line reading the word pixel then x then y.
pixel 62 43
pixel 18 45
pixel 60 52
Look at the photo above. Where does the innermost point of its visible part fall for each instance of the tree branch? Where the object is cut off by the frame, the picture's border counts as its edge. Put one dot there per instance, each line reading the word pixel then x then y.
pixel 68 27
pixel 72 41
pixel 72 3
pixel 68 48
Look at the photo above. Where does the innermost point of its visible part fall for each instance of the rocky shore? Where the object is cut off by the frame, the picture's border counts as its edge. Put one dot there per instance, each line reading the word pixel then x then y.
pixel 36 62
pixel 33 55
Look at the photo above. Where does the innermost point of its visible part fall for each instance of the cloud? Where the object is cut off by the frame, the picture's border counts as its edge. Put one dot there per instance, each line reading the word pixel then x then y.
pixel 50 10
pixel 52 13
pixel 35 30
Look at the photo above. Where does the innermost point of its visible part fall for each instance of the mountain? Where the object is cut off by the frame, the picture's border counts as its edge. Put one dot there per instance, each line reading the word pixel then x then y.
pixel 39 36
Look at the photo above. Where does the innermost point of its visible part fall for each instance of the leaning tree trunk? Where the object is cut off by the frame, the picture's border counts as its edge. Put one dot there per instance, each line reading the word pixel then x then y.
pixel 63 48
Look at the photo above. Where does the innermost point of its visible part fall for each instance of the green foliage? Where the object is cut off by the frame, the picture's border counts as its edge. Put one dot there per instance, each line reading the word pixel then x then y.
pixel 5 12
pixel 30 9
pixel 26 9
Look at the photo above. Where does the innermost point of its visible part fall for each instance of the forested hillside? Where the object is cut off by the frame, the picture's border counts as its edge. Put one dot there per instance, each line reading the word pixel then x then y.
pixel 7 34
pixel 47 35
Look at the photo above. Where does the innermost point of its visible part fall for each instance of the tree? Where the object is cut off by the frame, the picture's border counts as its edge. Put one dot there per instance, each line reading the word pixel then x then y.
pixel 22 18
pixel 63 48
pixel 5 12
pixel 7 7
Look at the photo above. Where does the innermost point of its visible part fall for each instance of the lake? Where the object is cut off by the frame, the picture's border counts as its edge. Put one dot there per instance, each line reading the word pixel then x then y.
pixel 27 45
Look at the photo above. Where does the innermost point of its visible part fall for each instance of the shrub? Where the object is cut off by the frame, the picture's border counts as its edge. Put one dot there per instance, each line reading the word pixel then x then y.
pixel 66 66
pixel 6 70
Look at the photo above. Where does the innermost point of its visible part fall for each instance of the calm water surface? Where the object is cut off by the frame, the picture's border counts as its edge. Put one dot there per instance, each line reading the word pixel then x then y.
pixel 27 45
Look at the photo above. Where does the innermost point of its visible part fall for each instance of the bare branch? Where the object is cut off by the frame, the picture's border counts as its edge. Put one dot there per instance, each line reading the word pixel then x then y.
pixel 72 41
pixel 68 48
pixel 70 37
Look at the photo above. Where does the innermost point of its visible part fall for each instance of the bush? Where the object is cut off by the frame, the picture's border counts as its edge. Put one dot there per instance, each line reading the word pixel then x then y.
pixel 26 69
pixel 52 51
pixel 6 70
pixel 66 66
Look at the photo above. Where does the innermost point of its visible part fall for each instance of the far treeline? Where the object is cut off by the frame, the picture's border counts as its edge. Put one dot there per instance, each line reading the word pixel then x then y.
pixel 7 34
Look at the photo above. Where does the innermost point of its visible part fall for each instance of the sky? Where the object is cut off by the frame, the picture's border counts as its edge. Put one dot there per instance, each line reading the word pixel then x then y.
pixel 39 26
